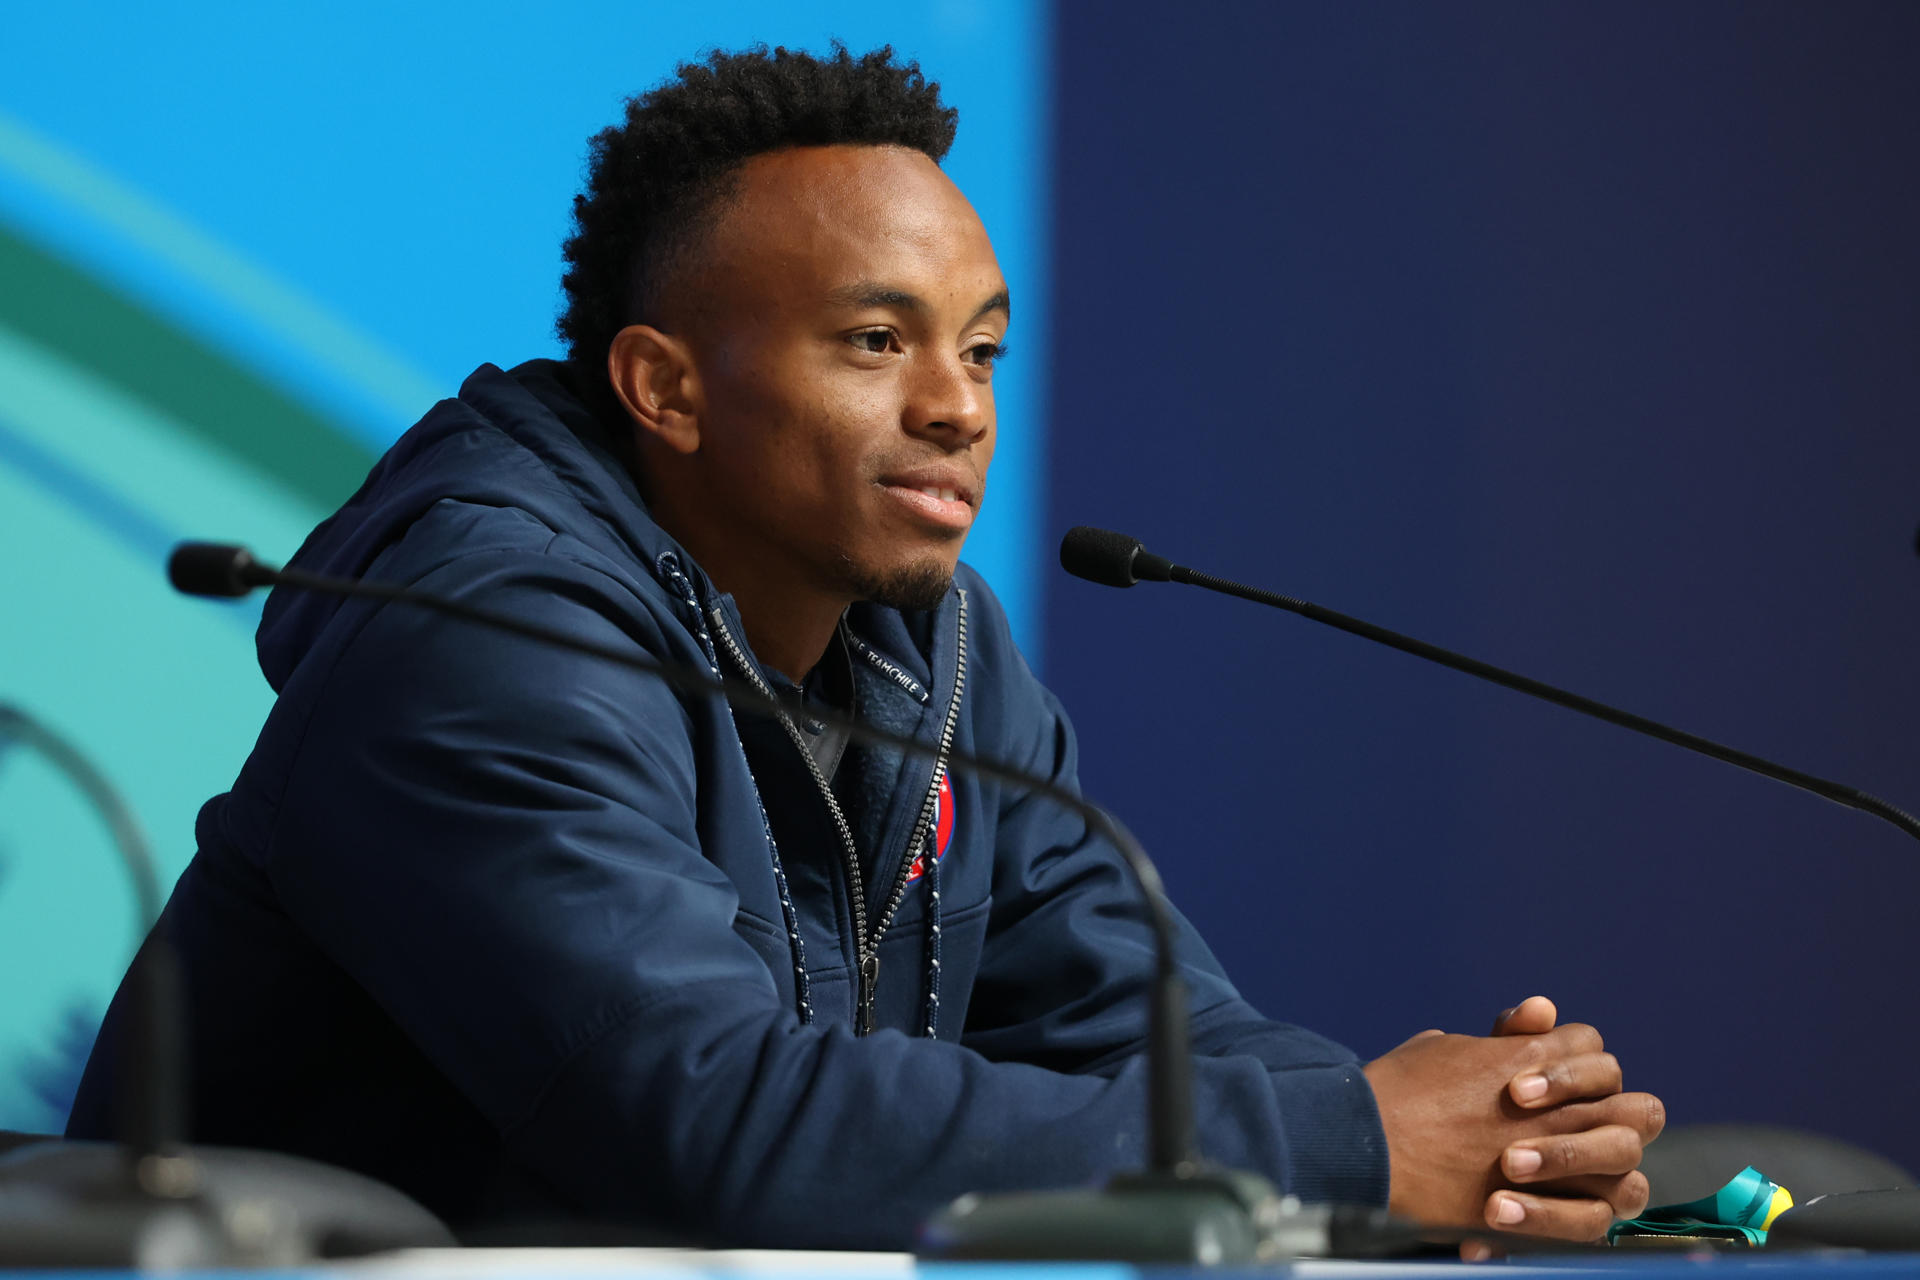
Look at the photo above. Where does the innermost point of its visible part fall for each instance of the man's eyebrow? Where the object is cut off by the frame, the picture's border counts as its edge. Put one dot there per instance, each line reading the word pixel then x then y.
pixel 866 293
pixel 998 302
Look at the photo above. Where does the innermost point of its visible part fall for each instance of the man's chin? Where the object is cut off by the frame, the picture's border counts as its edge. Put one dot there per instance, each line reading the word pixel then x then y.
pixel 913 587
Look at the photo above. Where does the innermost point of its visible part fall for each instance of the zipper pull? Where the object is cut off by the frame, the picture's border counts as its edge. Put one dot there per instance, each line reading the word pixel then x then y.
pixel 869 982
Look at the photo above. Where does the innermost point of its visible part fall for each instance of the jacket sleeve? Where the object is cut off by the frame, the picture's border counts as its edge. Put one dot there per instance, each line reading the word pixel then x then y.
pixel 497 842
pixel 1068 956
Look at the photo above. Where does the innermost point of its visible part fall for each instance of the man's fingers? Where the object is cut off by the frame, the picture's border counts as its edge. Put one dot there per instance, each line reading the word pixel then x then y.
pixel 1613 1149
pixel 1627 1193
pixel 1587 1075
pixel 1556 1217
pixel 1533 1016
pixel 1630 1198
pixel 1568 1039
pixel 1579 1209
pixel 1645 1114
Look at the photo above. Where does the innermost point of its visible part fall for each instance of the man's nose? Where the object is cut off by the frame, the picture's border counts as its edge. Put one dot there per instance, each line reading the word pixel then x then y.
pixel 949 402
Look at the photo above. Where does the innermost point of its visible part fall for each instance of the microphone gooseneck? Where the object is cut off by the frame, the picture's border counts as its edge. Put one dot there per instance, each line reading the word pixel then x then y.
pixel 129 841
pixel 1104 543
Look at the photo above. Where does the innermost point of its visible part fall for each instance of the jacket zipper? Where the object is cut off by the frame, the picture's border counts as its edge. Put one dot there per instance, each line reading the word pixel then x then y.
pixel 866 946
pixel 923 828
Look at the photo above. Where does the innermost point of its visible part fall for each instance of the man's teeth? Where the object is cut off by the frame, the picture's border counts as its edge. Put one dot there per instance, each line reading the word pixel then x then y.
pixel 945 495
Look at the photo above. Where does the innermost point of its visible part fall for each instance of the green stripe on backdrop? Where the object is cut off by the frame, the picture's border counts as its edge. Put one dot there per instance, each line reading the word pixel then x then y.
pixel 225 405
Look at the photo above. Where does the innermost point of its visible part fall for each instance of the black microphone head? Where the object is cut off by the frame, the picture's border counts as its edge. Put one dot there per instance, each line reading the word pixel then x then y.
pixel 213 569
pixel 1109 558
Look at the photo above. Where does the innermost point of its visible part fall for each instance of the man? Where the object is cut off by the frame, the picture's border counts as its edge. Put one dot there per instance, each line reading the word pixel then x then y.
pixel 524 933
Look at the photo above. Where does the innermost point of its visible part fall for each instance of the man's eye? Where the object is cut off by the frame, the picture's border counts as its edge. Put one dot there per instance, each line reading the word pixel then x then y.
pixel 988 353
pixel 876 341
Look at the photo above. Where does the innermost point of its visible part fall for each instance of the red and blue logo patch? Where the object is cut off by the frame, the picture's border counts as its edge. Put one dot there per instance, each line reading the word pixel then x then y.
pixel 942 829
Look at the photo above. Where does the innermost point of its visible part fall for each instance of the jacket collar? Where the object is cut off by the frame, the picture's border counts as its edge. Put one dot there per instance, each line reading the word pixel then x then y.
pixel 599 463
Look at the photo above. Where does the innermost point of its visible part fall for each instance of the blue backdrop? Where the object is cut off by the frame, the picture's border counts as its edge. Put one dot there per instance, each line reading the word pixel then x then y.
pixel 1581 337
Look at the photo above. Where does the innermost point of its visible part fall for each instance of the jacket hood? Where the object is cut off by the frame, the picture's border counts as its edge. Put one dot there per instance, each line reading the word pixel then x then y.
pixel 520 439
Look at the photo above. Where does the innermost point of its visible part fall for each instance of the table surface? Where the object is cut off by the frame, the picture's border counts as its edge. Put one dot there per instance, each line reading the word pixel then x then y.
pixel 690 1264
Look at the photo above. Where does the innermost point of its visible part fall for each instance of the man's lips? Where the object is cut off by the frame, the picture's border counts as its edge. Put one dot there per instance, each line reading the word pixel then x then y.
pixel 942 495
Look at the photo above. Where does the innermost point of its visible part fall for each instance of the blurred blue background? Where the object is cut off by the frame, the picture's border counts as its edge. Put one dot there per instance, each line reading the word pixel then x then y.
pixel 1578 336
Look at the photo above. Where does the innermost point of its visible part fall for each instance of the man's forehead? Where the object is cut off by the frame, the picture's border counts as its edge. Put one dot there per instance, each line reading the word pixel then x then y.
pixel 832 222
pixel 827 178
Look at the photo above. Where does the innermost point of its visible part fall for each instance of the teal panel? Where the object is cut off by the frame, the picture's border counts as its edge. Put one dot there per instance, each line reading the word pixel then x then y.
pixel 161 691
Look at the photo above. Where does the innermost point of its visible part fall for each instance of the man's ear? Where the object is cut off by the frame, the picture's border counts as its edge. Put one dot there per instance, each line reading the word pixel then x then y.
pixel 654 375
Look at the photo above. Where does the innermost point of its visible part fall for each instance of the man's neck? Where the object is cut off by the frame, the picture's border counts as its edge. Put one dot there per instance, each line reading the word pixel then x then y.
pixel 788 617
pixel 788 631
pixel 788 622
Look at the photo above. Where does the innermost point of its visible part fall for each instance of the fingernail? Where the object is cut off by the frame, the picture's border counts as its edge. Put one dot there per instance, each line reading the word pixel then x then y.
pixel 1522 1161
pixel 1509 1212
pixel 1530 1088
pixel 1504 1015
pixel 1475 1251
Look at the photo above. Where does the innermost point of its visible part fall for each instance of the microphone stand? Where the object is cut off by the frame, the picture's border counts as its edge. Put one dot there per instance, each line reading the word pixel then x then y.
pixel 151 1203
pixel 62 1204
pixel 1177 1209
pixel 151 1108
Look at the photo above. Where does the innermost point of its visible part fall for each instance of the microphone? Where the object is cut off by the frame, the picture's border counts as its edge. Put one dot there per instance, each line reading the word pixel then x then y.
pixel 215 569
pixel 1178 1209
pixel 1116 560
pixel 1110 559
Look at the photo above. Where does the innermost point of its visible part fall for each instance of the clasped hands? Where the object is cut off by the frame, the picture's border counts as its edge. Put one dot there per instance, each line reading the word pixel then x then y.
pixel 1525 1131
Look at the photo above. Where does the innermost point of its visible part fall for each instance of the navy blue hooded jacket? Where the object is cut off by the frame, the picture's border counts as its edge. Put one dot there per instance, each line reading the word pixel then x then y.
pixel 526 933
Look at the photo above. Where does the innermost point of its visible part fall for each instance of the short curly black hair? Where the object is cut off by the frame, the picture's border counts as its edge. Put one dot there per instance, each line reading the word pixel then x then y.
pixel 655 180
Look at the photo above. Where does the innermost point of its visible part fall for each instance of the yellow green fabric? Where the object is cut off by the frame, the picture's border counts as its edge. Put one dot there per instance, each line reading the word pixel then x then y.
pixel 1742 1210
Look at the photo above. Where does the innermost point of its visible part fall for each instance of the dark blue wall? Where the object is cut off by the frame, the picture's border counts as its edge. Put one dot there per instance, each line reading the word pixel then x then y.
pixel 1584 338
